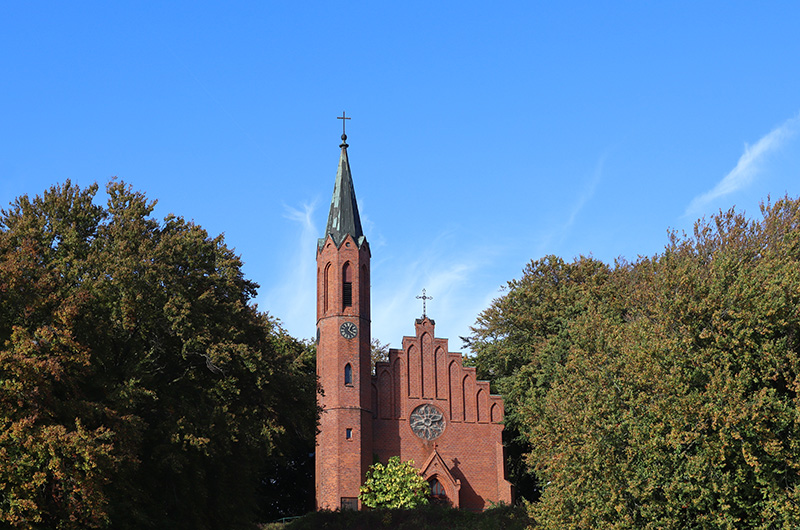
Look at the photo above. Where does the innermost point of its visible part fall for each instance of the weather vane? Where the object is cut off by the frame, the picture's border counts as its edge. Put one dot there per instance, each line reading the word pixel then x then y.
pixel 424 299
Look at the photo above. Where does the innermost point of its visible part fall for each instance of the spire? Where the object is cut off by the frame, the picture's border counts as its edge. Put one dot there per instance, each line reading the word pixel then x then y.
pixel 343 218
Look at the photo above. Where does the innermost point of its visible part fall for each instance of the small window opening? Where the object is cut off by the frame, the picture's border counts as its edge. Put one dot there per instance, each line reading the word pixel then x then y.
pixel 348 434
pixel 326 287
pixel 349 503
pixel 363 293
pixel 347 294
pixel 347 286
pixel 348 374
pixel 437 491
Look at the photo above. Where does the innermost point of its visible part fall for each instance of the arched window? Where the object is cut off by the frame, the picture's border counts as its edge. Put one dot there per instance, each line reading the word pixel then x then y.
pixel 437 491
pixel 326 287
pixel 363 294
pixel 347 286
pixel 348 374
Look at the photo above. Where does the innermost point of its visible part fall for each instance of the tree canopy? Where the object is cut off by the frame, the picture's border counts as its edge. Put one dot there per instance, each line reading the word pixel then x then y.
pixel 139 387
pixel 661 393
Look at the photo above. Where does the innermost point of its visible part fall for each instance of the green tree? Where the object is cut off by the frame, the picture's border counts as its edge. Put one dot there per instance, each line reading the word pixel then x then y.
pixel 397 484
pixel 378 352
pixel 662 393
pixel 139 387
pixel 523 339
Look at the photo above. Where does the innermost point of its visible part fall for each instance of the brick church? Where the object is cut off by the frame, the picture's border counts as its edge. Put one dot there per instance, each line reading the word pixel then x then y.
pixel 422 405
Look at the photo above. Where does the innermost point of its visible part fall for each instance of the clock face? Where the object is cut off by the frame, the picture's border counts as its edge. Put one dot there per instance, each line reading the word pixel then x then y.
pixel 427 422
pixel 348 330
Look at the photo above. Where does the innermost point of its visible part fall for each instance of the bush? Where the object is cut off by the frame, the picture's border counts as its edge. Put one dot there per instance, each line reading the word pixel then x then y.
pixel 429 517
pixel 396 485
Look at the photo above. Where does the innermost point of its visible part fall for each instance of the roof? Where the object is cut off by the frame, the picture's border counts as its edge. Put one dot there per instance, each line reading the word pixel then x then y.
pixel 343 218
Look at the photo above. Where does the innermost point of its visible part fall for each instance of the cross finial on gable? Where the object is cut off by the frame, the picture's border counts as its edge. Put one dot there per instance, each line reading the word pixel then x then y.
pixel 424 299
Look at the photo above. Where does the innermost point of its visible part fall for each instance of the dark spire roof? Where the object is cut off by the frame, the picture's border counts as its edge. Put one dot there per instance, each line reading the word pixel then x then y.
pixel 343 218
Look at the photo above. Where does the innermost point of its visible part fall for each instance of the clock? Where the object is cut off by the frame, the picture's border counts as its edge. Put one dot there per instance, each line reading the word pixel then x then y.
pixel 427 422
pixel 348 330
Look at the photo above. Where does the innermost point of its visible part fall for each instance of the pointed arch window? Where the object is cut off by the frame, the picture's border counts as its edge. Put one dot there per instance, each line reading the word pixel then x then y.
pixel 348 374
pixel 326 280
pixel 437 491
pixel 363 291
pixel 347 286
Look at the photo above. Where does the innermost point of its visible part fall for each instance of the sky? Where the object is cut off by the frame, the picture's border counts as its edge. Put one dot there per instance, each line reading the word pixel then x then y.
pixel 483 135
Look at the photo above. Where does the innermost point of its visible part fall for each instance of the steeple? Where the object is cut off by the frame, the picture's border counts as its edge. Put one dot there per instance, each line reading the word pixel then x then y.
pixel 343 218
pixel 344 440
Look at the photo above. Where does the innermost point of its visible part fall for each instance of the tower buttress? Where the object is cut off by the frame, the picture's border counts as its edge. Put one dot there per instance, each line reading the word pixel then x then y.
pixel 344 442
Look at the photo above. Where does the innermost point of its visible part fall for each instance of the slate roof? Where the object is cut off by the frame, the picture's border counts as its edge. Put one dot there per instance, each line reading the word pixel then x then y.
pixel 343 218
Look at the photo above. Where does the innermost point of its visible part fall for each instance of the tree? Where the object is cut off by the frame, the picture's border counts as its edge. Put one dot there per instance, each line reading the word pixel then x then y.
pixel 379 353
pixel 660 393
pixel 140 388
pixel 286 485
pixel 523 339
pixel 398 484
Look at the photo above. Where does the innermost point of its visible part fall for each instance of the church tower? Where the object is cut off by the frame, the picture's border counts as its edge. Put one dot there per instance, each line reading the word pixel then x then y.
pixel 344 443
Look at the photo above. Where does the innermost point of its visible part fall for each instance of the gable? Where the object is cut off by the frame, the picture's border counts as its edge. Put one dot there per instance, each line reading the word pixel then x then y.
pixel 425 371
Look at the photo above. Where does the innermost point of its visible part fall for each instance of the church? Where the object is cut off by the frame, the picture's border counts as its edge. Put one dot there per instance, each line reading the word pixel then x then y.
pixel 422 405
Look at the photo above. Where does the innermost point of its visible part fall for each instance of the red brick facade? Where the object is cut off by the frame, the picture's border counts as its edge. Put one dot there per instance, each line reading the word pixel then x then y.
pixel 422 404
pixel 344 443
pixel 467 456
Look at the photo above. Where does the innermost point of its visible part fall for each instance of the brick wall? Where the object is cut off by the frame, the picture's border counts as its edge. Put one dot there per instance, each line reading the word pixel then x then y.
pixel 424 371
pixel 342 461
pixel 370 414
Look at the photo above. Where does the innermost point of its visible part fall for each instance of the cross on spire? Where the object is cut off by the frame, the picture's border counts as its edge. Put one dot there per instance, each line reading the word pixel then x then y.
pixel 424 299
pixel 344 136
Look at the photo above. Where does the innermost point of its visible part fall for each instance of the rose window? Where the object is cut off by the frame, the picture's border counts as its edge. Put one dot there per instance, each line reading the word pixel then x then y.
pixel 427 422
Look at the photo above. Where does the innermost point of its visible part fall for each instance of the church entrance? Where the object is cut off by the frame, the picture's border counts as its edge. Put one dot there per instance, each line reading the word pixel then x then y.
pixel 438 495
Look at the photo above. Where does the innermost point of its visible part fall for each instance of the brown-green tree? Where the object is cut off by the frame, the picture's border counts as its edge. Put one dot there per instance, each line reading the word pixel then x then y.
pixel 662 393
pixel 523 340
pixel 139 387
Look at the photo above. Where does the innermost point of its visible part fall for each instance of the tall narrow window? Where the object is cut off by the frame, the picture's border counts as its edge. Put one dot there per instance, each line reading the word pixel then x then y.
pixel 348 434
pixel 347 286
pixel 326 287
pixel 363 292
pixel 348 374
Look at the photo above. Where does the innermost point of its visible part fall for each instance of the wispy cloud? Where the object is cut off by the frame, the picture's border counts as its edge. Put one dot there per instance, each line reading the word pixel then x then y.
pixel 586 194
pixel 456 281
pixel 748 166
pixel 555 237
pixel 293 296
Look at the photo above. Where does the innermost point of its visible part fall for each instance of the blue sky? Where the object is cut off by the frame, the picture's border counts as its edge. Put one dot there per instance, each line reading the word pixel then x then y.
pixel 483 135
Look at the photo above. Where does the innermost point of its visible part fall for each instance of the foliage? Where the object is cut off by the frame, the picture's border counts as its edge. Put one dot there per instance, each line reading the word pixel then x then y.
pixel 428 517
pixel 524 336
pixel 397 484
pixel 660 393
pixel 286 486
pixel 138 386
pixel 379 353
